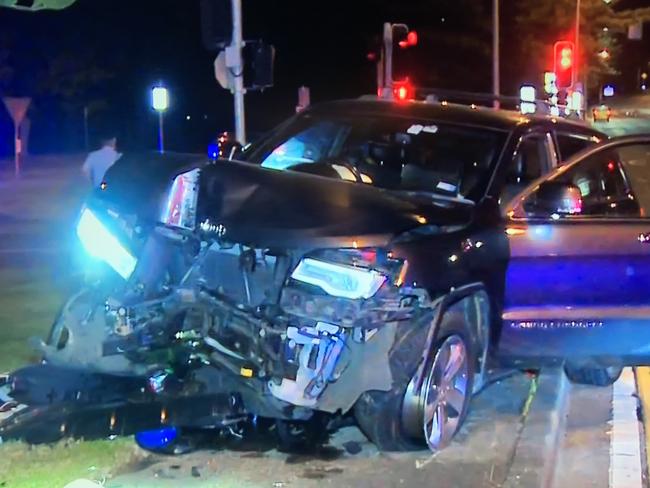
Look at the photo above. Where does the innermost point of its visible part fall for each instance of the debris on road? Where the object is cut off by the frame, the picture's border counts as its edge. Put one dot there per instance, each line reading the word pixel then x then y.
pixel 83 483
pixel 352 447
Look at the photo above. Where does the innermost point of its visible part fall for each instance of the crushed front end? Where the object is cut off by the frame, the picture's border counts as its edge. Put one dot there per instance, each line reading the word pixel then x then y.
pixel 286 330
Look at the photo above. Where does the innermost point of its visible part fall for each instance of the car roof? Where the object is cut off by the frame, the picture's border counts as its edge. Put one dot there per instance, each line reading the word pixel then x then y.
pixel 454 113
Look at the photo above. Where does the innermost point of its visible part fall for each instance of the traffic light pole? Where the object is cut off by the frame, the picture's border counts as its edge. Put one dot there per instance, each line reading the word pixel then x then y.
pixel 576 60
pixel 496 79
pixel 388 59
pixel 237 70
pixel 576 69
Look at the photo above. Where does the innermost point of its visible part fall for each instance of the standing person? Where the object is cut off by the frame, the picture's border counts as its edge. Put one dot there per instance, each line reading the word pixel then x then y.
pixel 98 162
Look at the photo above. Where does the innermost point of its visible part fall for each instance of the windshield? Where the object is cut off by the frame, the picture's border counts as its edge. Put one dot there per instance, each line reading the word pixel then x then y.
pixel 396 153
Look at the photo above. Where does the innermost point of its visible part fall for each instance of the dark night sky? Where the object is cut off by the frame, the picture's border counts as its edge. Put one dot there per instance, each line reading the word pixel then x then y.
pixel 321 44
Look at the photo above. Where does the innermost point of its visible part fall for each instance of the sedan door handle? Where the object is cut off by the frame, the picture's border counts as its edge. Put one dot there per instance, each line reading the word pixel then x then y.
pixel 644 238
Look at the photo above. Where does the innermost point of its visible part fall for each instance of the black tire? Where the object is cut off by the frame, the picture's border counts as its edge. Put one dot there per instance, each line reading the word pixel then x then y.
pixel 301 436
pixel 379 413
pixel 593 376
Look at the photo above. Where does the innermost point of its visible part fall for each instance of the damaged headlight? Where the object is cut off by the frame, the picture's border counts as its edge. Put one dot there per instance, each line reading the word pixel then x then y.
pixel 100 243
pixel 338 279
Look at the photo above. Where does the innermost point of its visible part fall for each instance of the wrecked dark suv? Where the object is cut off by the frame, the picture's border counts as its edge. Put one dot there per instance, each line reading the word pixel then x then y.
pixel 365 258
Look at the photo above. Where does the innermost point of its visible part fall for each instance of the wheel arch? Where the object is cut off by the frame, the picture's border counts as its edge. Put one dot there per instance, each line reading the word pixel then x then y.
pixel 473 302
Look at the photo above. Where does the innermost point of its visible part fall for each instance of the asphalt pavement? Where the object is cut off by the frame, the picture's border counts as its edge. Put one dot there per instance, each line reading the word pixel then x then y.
pixel 620 125
pixel 481 456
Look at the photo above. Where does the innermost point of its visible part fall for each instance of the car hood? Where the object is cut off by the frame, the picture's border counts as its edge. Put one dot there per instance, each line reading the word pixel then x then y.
pixel 269 208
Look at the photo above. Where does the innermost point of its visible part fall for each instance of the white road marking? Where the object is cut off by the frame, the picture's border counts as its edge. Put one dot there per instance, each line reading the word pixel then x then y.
pixel 625 469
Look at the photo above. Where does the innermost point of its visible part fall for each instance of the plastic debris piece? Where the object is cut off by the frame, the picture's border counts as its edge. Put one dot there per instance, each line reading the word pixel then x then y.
pixel 83 483
pixel 352 447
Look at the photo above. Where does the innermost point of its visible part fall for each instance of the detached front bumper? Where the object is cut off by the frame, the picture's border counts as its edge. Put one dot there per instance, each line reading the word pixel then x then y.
pixel 43 404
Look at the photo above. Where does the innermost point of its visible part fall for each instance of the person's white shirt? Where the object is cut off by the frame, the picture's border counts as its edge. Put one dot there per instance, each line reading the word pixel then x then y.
pixel 98 162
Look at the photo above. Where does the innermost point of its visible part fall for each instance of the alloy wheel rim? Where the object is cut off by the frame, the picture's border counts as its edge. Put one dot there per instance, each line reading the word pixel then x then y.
pixel 445 393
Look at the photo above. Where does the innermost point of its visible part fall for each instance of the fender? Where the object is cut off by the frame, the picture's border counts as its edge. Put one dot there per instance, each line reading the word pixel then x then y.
pixel 442 305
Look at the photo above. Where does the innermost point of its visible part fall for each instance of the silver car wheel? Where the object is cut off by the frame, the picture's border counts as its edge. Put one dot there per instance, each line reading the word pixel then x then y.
pixel 446 393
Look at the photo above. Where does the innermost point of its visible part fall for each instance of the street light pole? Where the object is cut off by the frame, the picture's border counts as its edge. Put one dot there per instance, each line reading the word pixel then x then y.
pixel 86 143
pixel 160 103
pixel 161 133
pixel 238 71
pixel 496 80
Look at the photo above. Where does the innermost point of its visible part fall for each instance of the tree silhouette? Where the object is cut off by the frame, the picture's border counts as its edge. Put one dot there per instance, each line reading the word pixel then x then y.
pixel 602 27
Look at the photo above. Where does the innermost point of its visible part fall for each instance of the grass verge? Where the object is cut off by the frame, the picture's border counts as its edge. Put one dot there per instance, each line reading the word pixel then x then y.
pixel 24 466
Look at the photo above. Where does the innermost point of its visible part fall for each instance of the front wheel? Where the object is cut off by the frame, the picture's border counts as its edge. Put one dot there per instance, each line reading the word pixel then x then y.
pixel 400 420
pixel 447 392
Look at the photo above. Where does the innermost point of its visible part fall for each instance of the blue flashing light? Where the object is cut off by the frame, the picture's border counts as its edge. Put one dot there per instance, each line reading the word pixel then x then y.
pixel 99 243
pixel 608 91
pixel 213 150
pixel 157 440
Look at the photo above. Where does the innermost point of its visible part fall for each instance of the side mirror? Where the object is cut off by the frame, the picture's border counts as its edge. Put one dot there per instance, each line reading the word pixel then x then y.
pixel 554 198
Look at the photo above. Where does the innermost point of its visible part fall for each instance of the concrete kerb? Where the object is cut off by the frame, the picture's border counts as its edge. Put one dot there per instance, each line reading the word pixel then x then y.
pixel 535 454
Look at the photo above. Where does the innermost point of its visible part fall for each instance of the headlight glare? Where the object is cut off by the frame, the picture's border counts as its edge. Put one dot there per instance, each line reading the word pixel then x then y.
pixel 339 280
pixel 100 243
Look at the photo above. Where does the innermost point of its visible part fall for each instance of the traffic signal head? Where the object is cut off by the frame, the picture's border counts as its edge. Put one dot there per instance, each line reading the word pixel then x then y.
pixel 216 23
pixel 404 37
pixel 563 64
pixel 411 39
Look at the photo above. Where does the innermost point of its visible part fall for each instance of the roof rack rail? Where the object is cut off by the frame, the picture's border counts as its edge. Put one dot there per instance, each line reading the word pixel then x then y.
pixel 474 99
pixel 484 99
pixel 462 97
pixel 458 96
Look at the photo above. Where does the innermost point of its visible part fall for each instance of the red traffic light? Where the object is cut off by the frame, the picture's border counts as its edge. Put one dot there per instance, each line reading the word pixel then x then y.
pixel 411 39
pixel 563 63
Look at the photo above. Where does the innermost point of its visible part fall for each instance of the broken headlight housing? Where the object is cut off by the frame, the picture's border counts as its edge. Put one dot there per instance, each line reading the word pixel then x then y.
pixel 350 273
pixel 339 280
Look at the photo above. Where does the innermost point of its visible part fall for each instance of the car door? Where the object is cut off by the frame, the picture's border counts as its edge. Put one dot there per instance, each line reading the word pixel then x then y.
pixel 577 284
